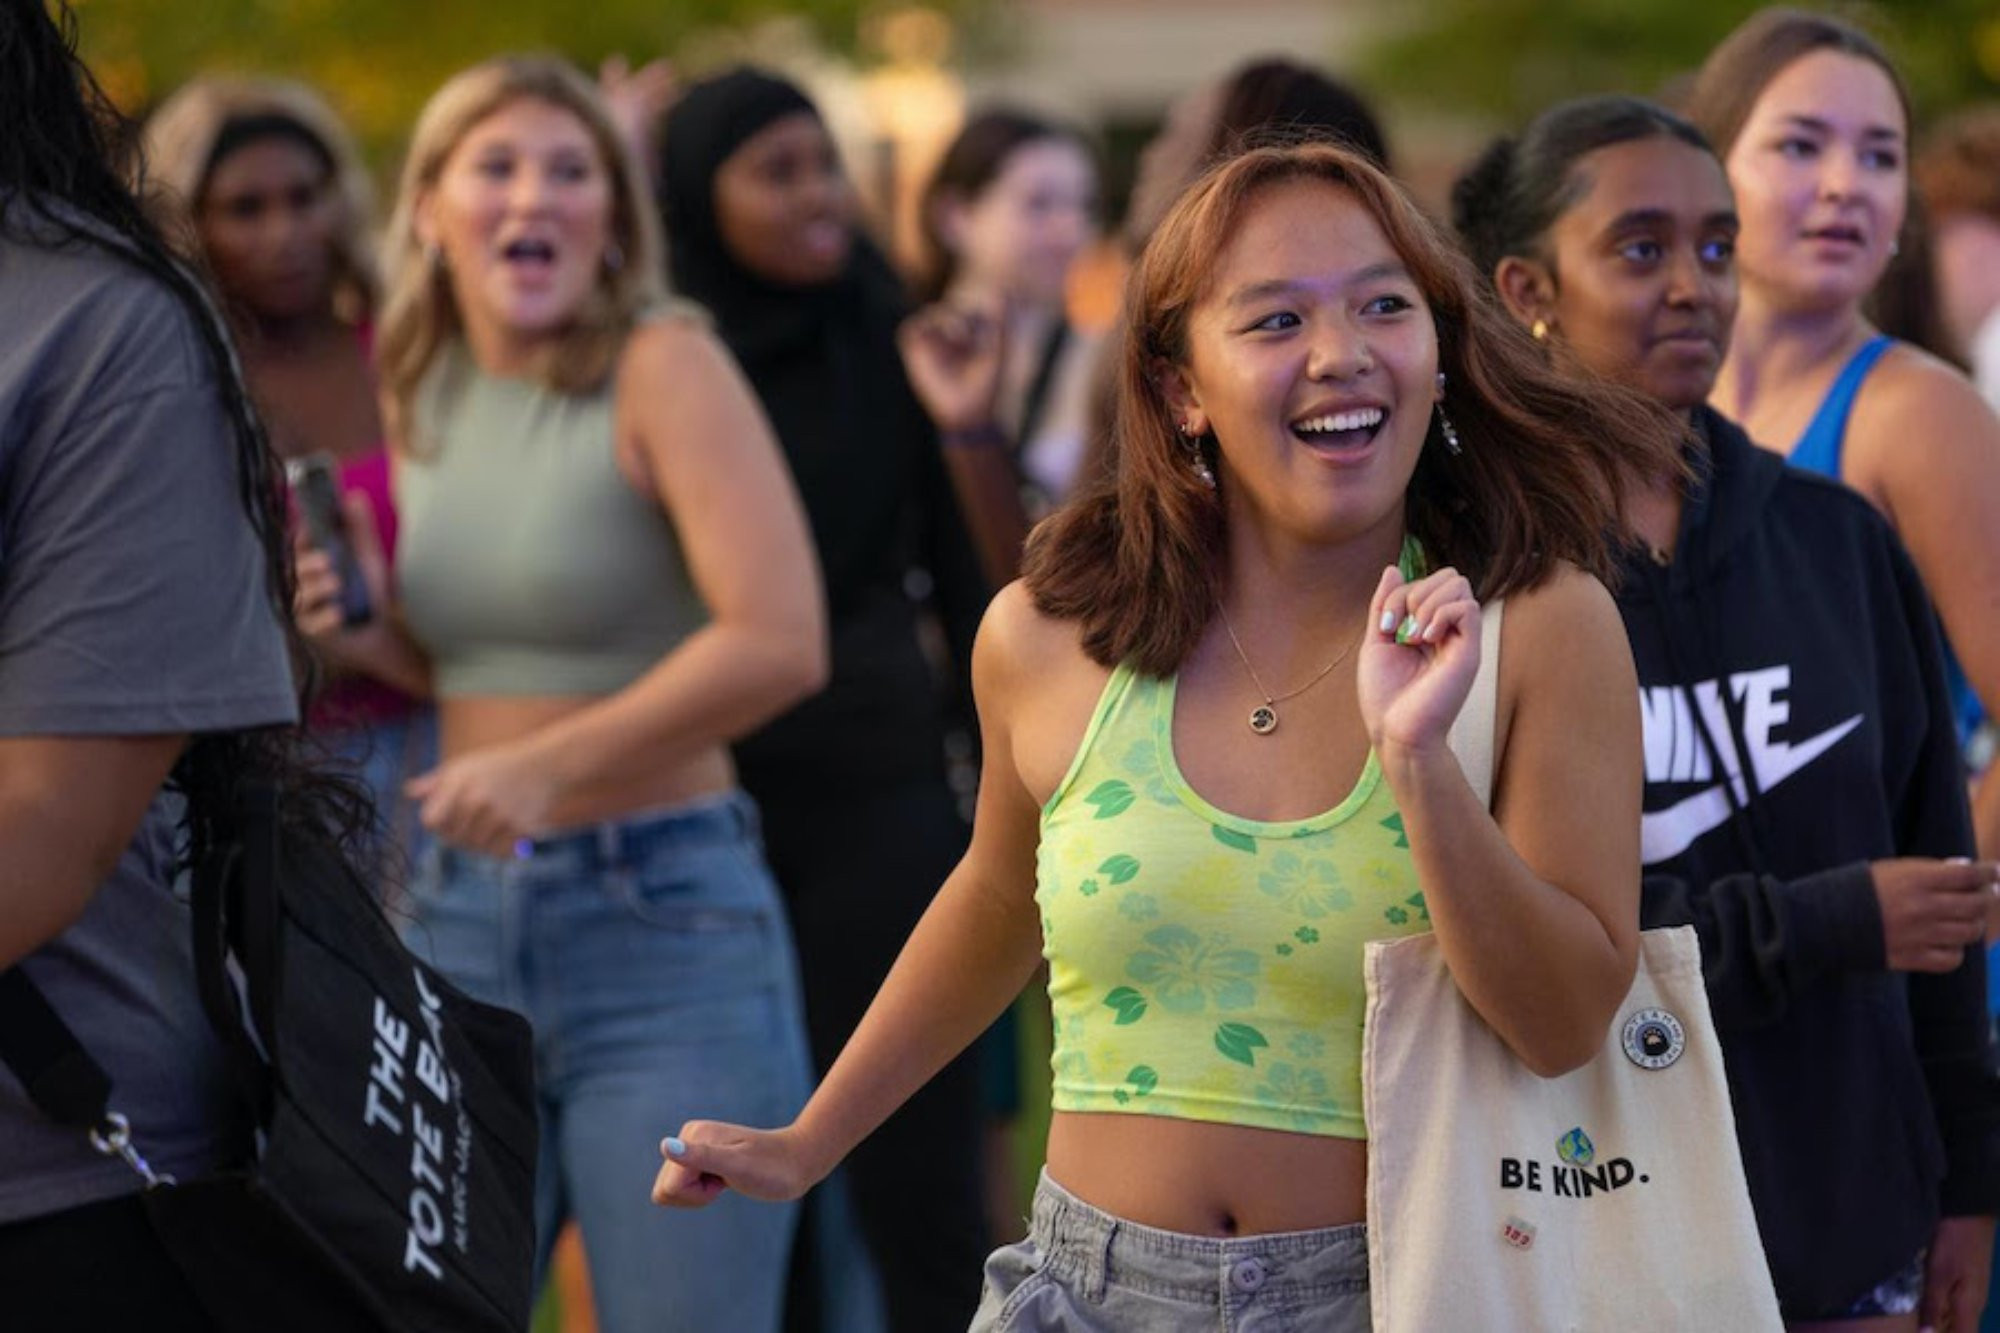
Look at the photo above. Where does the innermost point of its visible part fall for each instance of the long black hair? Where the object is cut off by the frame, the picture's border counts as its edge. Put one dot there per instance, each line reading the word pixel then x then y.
pixel 63 172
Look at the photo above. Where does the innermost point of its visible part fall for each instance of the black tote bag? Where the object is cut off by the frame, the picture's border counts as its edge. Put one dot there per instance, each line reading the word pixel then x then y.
pixel 392 1181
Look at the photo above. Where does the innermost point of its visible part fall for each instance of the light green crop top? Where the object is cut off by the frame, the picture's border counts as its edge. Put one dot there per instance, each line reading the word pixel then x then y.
pixel 527 564
pixel 1202 965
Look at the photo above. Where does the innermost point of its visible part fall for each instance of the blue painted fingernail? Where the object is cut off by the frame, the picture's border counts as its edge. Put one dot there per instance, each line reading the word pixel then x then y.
pixel 1388 622
pixel 524 848
pixel 672 1147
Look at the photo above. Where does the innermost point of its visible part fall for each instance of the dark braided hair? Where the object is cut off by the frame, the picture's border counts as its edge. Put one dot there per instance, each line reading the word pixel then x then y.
pixel 62 185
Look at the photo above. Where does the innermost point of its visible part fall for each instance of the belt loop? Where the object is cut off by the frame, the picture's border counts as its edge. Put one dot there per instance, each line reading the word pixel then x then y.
pixel 610 845
pixel 1097 1266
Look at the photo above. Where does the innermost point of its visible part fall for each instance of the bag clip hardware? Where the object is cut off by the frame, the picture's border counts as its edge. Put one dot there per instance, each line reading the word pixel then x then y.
pixel 118 1143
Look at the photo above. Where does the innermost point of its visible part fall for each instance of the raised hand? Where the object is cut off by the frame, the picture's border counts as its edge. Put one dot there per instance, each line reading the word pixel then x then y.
pixel 638 100
pixel 1418 658
pixel 954 354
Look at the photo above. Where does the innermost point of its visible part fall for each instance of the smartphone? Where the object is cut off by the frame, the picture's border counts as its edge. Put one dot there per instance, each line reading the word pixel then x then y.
pixel 316 492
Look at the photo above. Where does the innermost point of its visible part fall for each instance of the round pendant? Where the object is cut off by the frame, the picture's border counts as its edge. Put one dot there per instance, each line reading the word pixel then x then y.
pixel 1263 719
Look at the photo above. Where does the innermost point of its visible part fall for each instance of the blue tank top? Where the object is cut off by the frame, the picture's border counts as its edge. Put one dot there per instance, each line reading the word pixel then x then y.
pixel 1818 450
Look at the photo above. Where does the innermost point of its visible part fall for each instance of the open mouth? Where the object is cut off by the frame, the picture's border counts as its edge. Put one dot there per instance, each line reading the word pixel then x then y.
pixel 529 253
pixel 1351 429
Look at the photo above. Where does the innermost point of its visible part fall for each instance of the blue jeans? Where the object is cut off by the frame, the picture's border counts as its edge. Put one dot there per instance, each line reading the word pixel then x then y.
pixel 654 960
pixel 385 755
pixel 1082 1270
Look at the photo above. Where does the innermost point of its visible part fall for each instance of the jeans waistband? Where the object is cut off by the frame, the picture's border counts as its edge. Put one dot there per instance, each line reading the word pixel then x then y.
pixel 1095 1249
pixel 631 839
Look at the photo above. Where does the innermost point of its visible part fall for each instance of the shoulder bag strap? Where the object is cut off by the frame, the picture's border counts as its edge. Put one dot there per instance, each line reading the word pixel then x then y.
pixel 58 1075
pixel 1471 736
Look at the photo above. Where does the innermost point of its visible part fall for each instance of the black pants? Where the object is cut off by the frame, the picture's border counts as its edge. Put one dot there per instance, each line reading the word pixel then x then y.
pixel 857 870
pixel 94 1269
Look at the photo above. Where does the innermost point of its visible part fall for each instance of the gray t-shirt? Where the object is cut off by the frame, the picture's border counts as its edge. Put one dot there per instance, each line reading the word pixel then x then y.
pixel 131 603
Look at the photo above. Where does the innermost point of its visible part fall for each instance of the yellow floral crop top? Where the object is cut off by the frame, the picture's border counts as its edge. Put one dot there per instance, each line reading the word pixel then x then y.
pixel 1201 965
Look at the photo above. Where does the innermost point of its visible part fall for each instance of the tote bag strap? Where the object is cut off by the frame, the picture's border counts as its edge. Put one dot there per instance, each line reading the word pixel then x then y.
pixel 1471 736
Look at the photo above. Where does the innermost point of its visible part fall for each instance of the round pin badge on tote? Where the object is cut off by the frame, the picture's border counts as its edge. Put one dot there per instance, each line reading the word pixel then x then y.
pixel 1653 1039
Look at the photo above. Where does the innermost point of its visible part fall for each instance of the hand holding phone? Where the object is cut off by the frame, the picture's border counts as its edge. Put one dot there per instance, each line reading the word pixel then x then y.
pixel 316 493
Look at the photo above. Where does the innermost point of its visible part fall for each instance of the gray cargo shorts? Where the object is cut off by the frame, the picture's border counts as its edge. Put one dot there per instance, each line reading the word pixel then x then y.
pixel 1081 1270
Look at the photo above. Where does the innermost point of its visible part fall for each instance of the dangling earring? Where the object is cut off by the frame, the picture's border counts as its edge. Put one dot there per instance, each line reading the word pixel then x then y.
pixel 614 258
pixel 1445 428
pixel 1895 248
pixel 1450 433
pixel 1539 330
pixel 1202 471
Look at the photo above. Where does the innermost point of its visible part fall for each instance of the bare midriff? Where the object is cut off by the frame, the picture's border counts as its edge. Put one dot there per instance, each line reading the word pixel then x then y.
pixel 1205 1179
pixel 650 782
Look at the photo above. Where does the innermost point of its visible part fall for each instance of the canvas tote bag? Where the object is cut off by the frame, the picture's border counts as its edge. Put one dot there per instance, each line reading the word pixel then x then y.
pixel 1609 1200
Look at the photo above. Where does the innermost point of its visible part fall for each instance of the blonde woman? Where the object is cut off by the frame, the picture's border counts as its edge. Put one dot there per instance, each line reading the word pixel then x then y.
pixel 606 577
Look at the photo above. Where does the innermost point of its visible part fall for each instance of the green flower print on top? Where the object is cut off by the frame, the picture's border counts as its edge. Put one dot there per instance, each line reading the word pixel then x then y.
pixel 1111 798
pixel 1142 762
pixel 1240 1042
pixel 1139 906
pixel 1412 908
pixel 1307 1045
pixel 1139 1083
pixel 1302 1092
pixel 1120 869
pixel 1188 972
pixel 1310 886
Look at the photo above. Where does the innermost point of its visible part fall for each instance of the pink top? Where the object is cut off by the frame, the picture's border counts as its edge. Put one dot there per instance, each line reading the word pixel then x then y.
pixel 353 700
pixel 360 701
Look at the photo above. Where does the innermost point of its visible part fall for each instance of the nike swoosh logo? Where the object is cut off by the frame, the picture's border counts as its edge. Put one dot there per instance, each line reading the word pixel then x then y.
pixel 1667 833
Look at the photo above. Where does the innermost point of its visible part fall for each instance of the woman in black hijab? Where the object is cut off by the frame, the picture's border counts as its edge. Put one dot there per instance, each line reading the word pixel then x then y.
pixel 861 823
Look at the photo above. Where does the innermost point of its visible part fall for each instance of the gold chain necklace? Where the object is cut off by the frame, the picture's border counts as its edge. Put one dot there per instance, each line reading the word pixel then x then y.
pixel 1264 717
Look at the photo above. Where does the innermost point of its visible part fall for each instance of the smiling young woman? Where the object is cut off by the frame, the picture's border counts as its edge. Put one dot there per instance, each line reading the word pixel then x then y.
pixel 1609 226
pixel 1812 123
pixel 1289 507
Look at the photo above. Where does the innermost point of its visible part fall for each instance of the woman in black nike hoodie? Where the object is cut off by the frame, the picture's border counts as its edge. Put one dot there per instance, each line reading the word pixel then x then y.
pixel 1805 809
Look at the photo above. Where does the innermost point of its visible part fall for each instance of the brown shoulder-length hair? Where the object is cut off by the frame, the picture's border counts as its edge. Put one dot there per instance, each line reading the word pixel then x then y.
pixel 1136 557
pixel 420 313
pixel 1762 47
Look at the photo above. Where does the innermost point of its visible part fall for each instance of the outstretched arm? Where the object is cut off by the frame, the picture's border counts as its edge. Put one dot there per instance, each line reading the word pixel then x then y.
pixel 970 955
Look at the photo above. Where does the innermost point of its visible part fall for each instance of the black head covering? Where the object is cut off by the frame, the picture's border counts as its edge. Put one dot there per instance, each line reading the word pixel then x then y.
pixel 709 123
pixel 824 363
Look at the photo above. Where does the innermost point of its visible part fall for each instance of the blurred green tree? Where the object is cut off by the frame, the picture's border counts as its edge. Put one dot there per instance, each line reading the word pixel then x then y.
pixel 1508 59
pixel 379 59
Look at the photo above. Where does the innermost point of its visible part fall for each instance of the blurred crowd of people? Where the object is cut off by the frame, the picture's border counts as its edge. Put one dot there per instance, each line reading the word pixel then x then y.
pixel 669 511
